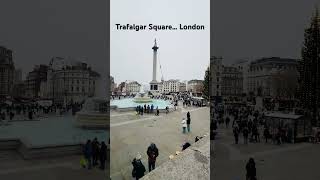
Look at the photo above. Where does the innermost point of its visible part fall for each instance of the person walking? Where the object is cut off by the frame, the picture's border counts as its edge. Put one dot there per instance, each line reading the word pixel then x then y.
pixel 251 170
pixel 152 153
pixel 184 125
pixel 188 121
pixel 138 168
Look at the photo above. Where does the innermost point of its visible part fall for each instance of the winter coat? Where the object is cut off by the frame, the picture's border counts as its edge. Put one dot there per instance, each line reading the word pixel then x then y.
pixel 184 123
pixel 153 153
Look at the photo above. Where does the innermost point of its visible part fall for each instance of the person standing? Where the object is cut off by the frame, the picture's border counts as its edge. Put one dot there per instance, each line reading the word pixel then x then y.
pixel 227 122
pixel 95 152
pixel 103 155
pixel 188 121
pixel 152 153
pixel 88 153
pixel 184 125
pixel 236 134
pixel 266 134
pixel 245 135
pixel 251 170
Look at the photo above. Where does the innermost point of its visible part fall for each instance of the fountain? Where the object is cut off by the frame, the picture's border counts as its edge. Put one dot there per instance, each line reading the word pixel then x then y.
pixel 142 97
pixel 95 111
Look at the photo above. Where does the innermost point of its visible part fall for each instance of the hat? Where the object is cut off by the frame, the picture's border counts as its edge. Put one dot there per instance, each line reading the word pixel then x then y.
pixel 171 156
pixel 138 157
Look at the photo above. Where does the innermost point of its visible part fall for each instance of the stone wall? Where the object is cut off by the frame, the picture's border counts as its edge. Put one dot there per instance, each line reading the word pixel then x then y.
pixel 192 163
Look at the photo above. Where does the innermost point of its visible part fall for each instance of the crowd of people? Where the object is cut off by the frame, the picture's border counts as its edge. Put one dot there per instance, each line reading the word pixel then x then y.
pixel 251 125
pixel 140 110
pixel 31 111
pixel 94 154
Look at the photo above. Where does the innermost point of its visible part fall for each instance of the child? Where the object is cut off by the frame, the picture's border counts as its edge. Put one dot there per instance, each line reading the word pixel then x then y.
pixel 184 125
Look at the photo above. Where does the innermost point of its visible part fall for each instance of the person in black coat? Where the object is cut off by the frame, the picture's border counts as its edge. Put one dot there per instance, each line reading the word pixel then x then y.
pixel 188 121
pixel 103 155
pixel 138 168
pixel 251 170
pixel 152 153
pixel 95 152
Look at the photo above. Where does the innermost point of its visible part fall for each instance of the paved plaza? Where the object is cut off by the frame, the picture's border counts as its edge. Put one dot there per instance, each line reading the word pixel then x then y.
pixel 12 167
pixel 273 162
pixel 131 133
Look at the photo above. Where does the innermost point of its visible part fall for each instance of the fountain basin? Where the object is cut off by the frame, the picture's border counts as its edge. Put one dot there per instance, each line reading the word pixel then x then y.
pixel 142 100
pixel 91 120
pixel 94 115
pixel 131 104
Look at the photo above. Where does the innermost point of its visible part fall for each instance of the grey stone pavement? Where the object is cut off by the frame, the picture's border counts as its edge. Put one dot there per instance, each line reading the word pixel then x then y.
pixel 273 162
pixel 12 167
pixel 131 133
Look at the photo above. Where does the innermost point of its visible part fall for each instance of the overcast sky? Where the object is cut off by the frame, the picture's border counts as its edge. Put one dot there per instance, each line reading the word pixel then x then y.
pixel 251 28
pixel 37 30
pixel 183 55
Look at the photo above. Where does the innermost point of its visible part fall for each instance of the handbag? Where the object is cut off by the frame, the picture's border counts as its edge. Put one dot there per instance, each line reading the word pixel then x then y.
pixel 83 162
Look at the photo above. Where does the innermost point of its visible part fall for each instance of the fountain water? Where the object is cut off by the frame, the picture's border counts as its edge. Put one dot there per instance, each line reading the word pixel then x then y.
pixel 142 97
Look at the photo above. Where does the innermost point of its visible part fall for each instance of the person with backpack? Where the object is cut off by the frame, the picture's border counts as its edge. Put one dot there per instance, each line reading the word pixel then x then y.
pixel 138 167
pixel 152 153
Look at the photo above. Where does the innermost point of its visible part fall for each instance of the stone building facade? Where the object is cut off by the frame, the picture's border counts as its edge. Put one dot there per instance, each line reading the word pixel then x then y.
pixel 232 81
pixel 262 74
pixel 7 71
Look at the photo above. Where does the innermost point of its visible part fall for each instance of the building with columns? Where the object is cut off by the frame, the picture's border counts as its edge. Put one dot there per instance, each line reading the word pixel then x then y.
pixel 231 81
pixel 171 86
pixel 34 79
pixel 132 87
pixel 262 73
pixel 243 67
pixel 69 81
pixel 195 86
pixel 7 71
